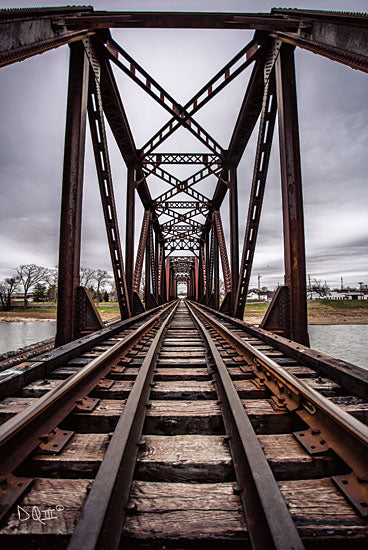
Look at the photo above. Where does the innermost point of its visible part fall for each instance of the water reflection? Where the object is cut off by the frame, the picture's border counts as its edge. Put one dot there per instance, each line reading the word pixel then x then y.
pixel 19 334
pixel 346 342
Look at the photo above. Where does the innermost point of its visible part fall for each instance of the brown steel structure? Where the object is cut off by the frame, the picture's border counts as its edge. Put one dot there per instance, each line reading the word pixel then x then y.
pixel 271 92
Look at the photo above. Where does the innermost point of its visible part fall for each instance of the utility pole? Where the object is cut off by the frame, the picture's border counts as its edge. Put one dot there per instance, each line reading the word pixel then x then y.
pixel 259 283
pixel 342 283
pixel 309 282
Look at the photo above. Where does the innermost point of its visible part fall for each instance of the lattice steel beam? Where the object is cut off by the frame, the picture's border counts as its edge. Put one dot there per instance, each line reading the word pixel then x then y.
pixel 131 68
pixel 223 251
pixel 141 250
pixel 182 158
pixel 264 143
pixel 230 71
pixel 101 153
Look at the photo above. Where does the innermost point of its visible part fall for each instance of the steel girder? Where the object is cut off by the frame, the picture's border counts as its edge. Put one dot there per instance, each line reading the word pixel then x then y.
pixel 263 152
pixel 101 153
pixel 72 193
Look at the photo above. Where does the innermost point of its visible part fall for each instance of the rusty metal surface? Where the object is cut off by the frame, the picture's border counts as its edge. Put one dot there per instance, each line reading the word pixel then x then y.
pixel 55 441
pixel 11 489
pixel 102 159
pixel 21 434
pixel 261 162
pixel 292 196
pixel 140 252
pixel 223 251
pixel 269 521
pixel 72 193
pixel 28 32
pixel 339 430
pixel 102 519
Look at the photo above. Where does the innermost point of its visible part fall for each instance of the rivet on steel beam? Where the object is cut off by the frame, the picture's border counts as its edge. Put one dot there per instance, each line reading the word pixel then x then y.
pixel 315 432
pixel 148 405
pixel 237 489
pixel 131 507
pixel 142 443
pixel 227 437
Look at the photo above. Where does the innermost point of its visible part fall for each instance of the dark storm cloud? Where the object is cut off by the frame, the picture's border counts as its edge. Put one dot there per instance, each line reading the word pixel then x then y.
pixel 333 120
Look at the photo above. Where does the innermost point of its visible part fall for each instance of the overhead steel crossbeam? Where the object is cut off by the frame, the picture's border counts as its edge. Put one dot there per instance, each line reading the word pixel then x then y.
pixel 182 20
pixel 230 71
pixel 28 32
pixel 341 36
pixel 141 77
pixel 182 158
pixel 184 186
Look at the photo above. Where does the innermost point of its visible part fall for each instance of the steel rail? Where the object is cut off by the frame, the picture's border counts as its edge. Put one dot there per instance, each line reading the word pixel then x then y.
pixel 268 519
pixel 102 519
pixel 346 435
pixel 22 433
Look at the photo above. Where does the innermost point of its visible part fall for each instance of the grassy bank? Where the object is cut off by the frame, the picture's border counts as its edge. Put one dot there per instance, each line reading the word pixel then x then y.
pixel 320 312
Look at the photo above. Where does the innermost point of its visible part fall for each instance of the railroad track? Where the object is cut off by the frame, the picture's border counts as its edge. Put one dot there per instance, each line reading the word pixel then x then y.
pixel 184 428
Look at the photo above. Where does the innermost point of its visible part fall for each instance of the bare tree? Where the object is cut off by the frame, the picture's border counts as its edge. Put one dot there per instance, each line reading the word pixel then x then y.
pixel 52 280
pixel 7 289
pixel 29 275
pixel 87 275
pixel 101 277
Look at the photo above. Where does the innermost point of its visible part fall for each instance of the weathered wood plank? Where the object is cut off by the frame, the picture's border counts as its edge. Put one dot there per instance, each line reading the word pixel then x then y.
pixel 178 512
pixel 180 458
pixel 80 458
pixel 45 494
pixel 289 460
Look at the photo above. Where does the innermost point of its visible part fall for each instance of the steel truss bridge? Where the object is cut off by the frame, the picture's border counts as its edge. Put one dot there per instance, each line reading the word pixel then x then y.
pixel 93 94
pixel 181 425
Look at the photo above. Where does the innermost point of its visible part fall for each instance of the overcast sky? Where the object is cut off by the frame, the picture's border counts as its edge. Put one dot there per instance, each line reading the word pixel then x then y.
pixel 333 114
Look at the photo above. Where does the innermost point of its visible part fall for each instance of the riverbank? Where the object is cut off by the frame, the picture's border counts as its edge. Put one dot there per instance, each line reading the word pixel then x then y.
pixel 48 313
pixel 320 312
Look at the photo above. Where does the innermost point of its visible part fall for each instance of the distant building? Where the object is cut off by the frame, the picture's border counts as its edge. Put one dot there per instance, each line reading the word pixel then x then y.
pixel 338 295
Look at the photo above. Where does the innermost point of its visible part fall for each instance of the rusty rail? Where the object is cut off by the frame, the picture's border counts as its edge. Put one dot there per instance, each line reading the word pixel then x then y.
pixel 330 427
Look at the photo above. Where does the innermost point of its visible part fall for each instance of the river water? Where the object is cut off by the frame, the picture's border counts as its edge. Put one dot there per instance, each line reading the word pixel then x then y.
pixel 19 334
pixel 347 342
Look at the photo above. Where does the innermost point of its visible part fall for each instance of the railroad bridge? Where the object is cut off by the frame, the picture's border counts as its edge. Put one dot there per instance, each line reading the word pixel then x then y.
pixel 181 425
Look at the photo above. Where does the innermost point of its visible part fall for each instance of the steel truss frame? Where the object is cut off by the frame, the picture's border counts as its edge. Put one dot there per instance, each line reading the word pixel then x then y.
pixel 193 224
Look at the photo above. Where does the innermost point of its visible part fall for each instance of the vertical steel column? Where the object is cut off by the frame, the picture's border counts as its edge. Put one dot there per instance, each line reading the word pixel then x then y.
pixel 147 286
pixel 201 269
pixel 129 235
pixel 167 279
pixel 156 265
pixel 163 275
pixel 208 289
pixel 292 197
pixel 196 279
pixel 216 270
pixel 72 193
pixel 234 233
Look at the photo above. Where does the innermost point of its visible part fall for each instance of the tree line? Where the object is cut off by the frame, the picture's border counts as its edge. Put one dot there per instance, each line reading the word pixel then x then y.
pixel 42 281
